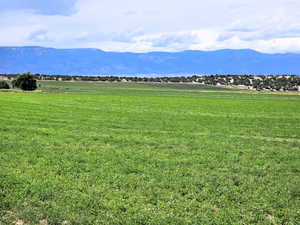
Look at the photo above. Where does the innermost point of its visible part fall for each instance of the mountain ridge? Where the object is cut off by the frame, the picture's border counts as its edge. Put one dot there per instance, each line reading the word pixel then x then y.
pixel 92 61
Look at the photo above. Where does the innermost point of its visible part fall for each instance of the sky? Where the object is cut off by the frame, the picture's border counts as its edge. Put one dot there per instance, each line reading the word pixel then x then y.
pixel 271 26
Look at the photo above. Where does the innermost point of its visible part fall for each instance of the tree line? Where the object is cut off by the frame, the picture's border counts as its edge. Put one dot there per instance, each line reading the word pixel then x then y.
pixel 26 82
pixel 256 82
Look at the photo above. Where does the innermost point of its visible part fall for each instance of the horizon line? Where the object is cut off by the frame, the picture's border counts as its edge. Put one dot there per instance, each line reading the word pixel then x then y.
pixel 145 52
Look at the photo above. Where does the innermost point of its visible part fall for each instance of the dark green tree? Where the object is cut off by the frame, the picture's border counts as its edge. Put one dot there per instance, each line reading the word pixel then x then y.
pixel 4 85
pixel 26 82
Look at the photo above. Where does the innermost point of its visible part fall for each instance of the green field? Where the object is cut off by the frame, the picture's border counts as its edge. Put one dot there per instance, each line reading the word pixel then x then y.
pixel 139 154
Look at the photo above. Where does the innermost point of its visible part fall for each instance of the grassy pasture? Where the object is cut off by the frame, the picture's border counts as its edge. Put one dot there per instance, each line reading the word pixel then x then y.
pixel 127 153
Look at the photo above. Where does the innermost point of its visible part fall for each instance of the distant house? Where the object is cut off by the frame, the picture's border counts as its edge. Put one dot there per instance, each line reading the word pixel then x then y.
pixel 257 78
pixel 4 78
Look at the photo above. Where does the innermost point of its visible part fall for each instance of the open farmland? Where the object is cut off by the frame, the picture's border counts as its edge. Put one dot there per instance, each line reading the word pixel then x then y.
pixel 139 154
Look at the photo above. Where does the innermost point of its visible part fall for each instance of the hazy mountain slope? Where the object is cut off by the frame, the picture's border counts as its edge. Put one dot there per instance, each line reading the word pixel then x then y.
pixel 94 62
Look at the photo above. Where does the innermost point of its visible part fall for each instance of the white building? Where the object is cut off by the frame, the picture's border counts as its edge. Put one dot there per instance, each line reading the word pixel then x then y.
pixel 3 78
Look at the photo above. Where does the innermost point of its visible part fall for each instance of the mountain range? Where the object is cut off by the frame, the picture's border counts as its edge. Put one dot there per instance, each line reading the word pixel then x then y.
pixel 88 61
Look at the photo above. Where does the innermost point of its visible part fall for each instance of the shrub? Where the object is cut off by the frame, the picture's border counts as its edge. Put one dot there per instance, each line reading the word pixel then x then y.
pixel 26 82
pixel 4 85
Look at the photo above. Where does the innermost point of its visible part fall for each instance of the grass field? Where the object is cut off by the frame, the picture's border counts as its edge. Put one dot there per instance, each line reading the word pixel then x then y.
pixel 104 153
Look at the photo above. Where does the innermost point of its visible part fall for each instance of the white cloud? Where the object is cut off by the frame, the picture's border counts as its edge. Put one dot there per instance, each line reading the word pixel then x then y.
pixel 169 25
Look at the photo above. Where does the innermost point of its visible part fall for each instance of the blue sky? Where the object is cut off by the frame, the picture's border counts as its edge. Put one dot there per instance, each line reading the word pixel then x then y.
pixel 51 7
pixel 156 25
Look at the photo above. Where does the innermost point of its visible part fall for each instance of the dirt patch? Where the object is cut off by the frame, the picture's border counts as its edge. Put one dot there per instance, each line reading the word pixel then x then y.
pixel 267 138
pixel 19 222
pixel 43 222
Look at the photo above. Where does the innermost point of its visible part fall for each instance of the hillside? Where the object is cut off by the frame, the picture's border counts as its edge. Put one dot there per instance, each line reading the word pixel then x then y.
pixel 94 62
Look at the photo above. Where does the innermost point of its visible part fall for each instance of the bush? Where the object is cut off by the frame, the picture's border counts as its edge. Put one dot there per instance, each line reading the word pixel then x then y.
pixel 26 82
pixel 4 85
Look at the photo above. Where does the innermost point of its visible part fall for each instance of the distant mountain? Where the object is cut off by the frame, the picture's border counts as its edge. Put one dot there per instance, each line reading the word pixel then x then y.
pixel 96 62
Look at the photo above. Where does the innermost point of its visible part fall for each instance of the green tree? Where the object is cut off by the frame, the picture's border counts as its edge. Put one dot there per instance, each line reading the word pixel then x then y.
pixel 4 85
pixel 26 82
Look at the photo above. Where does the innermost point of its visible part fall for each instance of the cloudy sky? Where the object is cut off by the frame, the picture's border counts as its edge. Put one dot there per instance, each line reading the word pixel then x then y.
pixel 152 25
